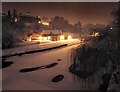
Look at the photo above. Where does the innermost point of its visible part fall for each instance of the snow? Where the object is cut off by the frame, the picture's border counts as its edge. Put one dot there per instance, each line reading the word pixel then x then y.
pixel 42 45
pixel 42 79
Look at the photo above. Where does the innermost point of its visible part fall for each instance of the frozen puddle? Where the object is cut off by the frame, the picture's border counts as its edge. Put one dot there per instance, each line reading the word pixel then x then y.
pixel 57 78
pixel 58 59
pixel 38 68
pixel 6 64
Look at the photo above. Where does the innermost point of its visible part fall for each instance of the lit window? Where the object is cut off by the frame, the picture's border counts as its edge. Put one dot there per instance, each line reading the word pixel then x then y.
pixel 69 37
pixel 44 23
pixel 40 37
pixel 62 37
pixel 45 38
pixel 49 37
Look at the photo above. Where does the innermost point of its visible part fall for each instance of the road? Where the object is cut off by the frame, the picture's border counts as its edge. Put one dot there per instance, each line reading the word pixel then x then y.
pixel 13 79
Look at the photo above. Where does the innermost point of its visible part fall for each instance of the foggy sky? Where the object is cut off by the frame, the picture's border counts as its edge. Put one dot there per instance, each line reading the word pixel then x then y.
pixel 85 12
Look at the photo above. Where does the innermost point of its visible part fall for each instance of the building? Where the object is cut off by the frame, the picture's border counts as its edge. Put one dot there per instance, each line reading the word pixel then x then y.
pixel 53 35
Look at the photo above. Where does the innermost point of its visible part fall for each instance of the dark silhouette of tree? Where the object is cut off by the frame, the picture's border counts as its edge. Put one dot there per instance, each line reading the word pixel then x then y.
pixel 20 14
pixel 77 27
pixel 14 13
pixel 9 13
pixel 11 32
pixel 62 24
pixel 116 15
pixel 59 23
pixel 28 13
pixel 116 24
pixel 87 29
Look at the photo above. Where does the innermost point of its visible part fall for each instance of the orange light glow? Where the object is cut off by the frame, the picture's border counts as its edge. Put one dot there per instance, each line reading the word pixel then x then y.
pixel 39 22
pixel 40 38
pixel 69 37
pixel 45 23
pixel 48 37
pixel 96 34
pixel 62 37
pixel 45 38
pixel 29 39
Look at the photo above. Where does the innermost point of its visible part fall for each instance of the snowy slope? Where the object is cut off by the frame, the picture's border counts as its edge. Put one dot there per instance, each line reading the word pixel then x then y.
pixel 39 46
pixel 13 79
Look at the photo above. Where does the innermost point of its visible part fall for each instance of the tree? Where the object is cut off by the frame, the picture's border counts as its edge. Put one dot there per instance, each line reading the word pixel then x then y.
pixel 14 13
pixel 116 24
pixel 88 29
pixel 77 27
pixel 9 13
pixel 59 23
pixel 116 15
pixel 11 32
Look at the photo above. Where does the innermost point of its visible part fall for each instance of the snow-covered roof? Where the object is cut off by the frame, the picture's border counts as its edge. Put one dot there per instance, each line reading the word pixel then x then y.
pixel 51 32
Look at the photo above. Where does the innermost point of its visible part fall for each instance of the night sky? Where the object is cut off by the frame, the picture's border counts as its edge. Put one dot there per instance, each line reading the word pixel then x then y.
pixel 78 11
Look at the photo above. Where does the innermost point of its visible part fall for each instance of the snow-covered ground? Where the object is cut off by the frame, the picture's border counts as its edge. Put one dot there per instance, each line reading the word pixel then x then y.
pixel 42 45
pixel 13 79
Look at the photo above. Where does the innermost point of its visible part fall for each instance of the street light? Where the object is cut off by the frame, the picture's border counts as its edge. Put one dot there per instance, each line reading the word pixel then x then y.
pixel 39 22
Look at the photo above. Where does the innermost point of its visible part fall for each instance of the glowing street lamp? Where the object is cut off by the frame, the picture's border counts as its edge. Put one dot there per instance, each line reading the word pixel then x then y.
pixel 16 19
pixel 39 22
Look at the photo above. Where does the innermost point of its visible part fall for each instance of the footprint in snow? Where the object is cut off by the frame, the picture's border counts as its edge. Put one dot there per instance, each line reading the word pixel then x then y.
pixel 58 59
pixel 57 78
pixel 6 64
pixel 38 68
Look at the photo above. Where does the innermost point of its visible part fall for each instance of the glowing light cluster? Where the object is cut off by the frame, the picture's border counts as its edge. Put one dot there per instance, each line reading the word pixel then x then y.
pixel 40 38
pixel 45 38
pixel 69 37
pixel 29 39
pixel 96 34
pixel 39 22
pixel 45 23
pixel 62 37
pixel 49 38
pixel 16 19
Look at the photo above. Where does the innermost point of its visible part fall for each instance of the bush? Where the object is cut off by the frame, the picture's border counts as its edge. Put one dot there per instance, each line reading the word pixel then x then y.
pixel 88 61
pixel 9 40
pixel 10 32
